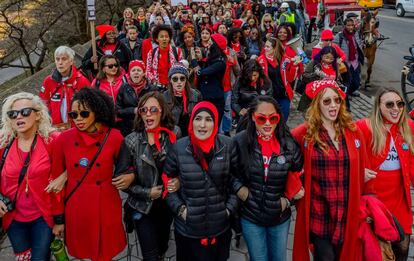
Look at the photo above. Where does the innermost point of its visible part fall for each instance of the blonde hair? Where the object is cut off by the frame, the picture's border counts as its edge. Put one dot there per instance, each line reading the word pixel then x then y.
pixel 314 121
pixel 262 24
pixel 44 127
pixel 379 131
pixel 130 10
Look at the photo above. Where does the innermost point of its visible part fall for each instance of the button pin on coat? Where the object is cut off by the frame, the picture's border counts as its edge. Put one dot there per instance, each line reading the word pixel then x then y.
pixel 405 146
pixel 83 162
pixel 281 159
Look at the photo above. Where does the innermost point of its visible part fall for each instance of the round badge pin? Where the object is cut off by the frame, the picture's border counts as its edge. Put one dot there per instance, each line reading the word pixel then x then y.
pixel 263 92
pixel 281 159
pixel 357 143
pixel 83 162
pixel 405 146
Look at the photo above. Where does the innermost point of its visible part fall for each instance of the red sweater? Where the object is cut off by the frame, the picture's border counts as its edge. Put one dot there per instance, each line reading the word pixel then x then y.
pixel 351 248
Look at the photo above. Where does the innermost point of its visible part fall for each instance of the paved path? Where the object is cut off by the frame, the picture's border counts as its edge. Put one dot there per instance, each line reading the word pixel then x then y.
pixel 360 107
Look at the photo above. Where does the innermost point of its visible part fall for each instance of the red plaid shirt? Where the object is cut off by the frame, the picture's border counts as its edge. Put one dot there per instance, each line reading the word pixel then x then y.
pixel 330 184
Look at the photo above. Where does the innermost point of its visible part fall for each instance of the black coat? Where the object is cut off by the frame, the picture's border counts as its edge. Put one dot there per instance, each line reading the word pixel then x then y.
pixel 177 109
pixel 243 95
pixel 263 205
pixel 136 50
pixel 126 102
pixel 210 78
pixel 121 52
pixel 206 195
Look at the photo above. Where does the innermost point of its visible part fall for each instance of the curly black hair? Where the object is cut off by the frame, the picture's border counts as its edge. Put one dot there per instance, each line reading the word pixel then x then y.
pixel 232 32
pixel 99 103
pixel 159 28
pixel 327 50
pixel 167 120
pixel 249 67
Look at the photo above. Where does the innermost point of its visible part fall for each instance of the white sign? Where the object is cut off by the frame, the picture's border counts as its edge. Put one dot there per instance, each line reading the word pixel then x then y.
pixel 200 1
pixel 90 8
pixel 177 2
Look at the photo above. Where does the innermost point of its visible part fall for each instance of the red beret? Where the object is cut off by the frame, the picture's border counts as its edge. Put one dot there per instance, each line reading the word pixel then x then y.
pixel 216 26
pixel 327 35
pixel 237 23
pixel 220 40
pixel 104 28
pixel 315 87
pixel 134 63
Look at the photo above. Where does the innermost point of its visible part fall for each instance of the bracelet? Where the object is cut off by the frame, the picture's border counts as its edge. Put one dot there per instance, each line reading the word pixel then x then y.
pixel 288 204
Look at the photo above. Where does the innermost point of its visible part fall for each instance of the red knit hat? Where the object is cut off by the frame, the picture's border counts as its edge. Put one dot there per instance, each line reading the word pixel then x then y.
pixel 134 63
pixel 237 23
pixel 327 35
pixel 216 26
pixel 220 40
pixel 104 28
pixel 315 87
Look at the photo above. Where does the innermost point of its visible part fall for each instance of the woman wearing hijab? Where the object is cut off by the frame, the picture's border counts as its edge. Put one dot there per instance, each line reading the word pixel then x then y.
pixel 180 97
pixel 204 203
pixel 131 90
pixel 390 148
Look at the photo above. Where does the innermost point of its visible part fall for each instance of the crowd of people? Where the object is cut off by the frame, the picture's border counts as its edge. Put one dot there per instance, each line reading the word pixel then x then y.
pixel 184 109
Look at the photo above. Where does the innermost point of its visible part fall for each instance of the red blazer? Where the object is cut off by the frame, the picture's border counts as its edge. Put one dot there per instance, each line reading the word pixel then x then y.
pixel 93 215
pixel 54 89
pixel 38 174
pixel 406 158
pixel 356 150
pixel 288 71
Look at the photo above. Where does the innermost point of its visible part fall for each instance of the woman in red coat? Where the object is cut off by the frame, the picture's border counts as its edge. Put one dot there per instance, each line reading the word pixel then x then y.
pixel 25 207
pixel 390 148
pixel 91 205
pixel 334 167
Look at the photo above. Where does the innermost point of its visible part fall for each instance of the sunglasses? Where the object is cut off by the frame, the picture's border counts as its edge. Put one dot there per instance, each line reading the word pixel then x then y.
pixel 181 78
pixel 261 119
pixel 152 110
pixel 328 101
pixel 110 66
pixel 391 104
pixel 74 114
pixel 267 22
pixel 25 112
pixel 328 40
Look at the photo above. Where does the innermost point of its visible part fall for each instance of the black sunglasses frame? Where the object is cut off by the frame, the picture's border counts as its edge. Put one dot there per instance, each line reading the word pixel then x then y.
pixel 74 114
pixel 25 112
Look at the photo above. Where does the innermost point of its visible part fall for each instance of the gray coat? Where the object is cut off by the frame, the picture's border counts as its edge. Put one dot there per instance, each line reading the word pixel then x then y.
pixel 343 44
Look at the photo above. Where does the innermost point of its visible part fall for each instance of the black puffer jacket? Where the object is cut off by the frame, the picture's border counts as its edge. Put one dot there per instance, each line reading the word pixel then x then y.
pixel 126 102
pixel 263 205
pixel 206 195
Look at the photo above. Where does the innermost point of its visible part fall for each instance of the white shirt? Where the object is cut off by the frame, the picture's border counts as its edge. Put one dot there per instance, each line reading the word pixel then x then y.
pixel 392 162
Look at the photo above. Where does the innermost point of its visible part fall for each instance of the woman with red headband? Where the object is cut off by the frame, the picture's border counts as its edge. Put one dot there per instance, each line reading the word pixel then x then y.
pixel 265 159
pixel 334 167
pixel 390 148
pixel 134 86
pixel 204 203
pixel 143 153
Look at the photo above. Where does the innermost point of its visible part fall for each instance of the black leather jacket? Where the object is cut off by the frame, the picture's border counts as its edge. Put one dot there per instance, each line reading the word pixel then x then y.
pixel 242 96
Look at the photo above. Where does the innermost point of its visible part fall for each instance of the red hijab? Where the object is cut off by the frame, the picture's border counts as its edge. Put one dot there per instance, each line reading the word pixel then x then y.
pixel 203 146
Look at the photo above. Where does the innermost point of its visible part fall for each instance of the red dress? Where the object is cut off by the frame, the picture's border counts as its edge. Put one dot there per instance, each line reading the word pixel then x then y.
pixel 93 215
pixel 392 187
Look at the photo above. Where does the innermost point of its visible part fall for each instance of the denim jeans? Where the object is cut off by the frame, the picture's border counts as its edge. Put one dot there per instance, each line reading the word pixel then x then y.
pixel 266 243
pixel 284 104
pixel 35 235
pixel 225 126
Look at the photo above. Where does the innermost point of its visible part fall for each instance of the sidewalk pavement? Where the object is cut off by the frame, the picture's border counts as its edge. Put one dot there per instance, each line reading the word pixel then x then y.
pixel 360 107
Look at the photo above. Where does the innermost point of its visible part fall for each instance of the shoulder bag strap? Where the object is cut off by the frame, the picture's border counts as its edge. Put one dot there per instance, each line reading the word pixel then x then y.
pixel 23 171
pixel 4 156
pixel 88 168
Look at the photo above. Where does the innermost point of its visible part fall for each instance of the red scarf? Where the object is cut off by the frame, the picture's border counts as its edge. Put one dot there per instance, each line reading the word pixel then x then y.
pixel 156 131
pixel 203 146
pixel 184 95
pixel 236 47
pixel 351 45
pixel 138 87
pixel 271 60
pixel 270 146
